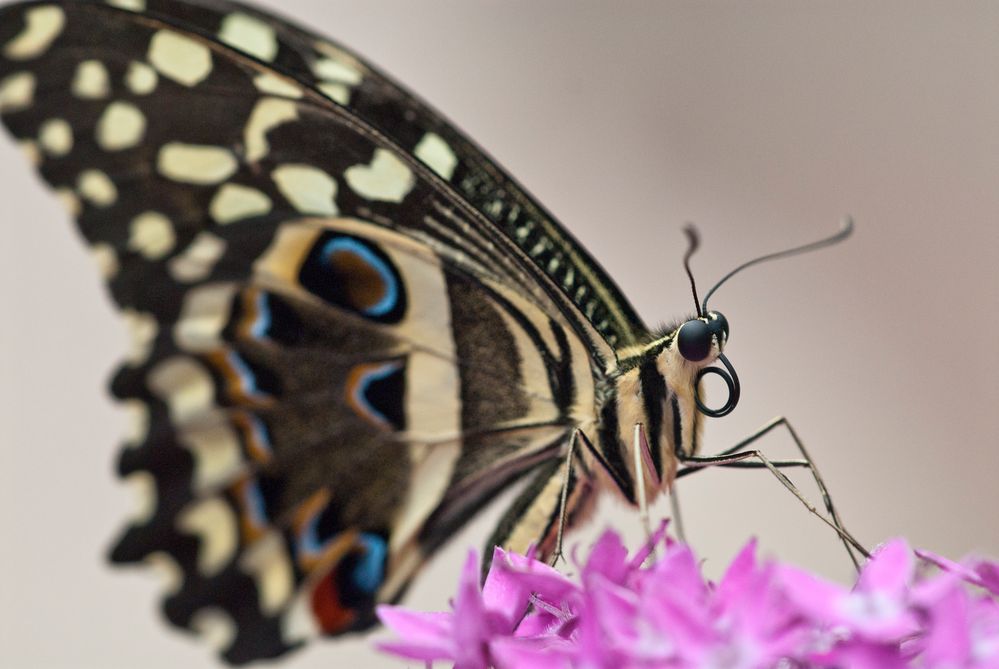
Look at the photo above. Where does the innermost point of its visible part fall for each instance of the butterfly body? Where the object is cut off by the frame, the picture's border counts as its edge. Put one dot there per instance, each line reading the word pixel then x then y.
pixel 351 329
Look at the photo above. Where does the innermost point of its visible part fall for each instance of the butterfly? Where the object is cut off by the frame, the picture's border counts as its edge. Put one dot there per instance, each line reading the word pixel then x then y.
pixel 351 328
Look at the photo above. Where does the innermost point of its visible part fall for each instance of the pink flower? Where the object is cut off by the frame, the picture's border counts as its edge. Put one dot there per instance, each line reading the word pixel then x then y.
pixel 624 613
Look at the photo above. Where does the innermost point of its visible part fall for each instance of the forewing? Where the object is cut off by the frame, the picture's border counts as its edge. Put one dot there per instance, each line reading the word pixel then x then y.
pixel 336 358
pixel 348 80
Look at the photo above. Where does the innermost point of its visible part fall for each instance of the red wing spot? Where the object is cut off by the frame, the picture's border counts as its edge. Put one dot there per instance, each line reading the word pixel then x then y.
pixel 330 614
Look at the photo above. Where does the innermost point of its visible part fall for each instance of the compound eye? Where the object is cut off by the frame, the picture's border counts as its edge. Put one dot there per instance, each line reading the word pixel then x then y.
pixel 694 340
pixel 719 326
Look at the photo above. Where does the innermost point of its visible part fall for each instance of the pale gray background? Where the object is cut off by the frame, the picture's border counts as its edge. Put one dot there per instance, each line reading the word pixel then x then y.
pixel 763 122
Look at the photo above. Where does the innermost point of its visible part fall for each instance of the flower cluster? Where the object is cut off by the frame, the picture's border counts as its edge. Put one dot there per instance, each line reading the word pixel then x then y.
pixel 906 610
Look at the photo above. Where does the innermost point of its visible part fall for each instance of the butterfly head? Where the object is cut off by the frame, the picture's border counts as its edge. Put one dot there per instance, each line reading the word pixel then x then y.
pixel 703 338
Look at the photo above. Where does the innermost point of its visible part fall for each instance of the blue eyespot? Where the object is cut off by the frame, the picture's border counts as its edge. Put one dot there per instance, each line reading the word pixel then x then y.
pixel 354 274
pixel 370 570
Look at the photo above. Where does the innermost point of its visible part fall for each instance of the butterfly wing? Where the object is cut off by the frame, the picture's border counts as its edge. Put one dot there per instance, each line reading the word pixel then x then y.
pixel 336 358
pixel 416 128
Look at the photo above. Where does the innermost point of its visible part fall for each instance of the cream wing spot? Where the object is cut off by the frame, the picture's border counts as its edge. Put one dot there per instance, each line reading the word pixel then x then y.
pixel 91 81
pixel 143 328
pixel 181 58
pixel 130 5
pixel 216 453
pixel 106 258
pixel 269 564
pixel 386 179
pixel 338 93
pixel 97 188
pixel 141 79
pixel 267 114
pixel 120 127
pixel 333 70
pixel 55 137
pixel 67 197
pixel 309 189
pixel 249 35
pixel 151 234
pixel 195 163
pixel 437 155
pixel 42 26
pixel 17 91
pixel 234 202
pixel 138 422
pixel 143 487
pixel 170 575
pixel 31 151
pixel 184 385
pixel 214 523
pixel 215 627
pixel 198 259
pixel 203 315
pixel 274 85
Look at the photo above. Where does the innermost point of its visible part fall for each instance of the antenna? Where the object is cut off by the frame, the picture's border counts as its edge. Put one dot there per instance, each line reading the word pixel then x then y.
pixel 845 230
pixel 693 241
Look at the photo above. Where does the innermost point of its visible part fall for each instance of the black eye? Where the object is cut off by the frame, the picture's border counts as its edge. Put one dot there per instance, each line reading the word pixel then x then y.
pixel 694 340
pixel 718 325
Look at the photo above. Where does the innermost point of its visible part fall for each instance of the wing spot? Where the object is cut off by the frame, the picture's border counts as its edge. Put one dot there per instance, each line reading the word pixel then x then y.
pixel 249 35
pixel 143 487
pixel 335 71
pixel 437 155
pixel 309 189
pixel 91 81
pixel 42 26
pixel 166 568
pixel 56 137
pixel 130 5
pixel 143 328
pixel 97 188
pixel 141 79
pixel 151 234
pixel 215 627
pixel 184 385
pixel 67 197
pixel 274 85
pixel 17 92
pixel 234 202
pixel 203 316
pixel 214 523
pixel 198 259
pixel 106 258
pixel 197 164
pixel 216 453
pixel 267 114
pixel 120 127
pixel 386 179
pixel 31 151
pixel 338 93
pixel 269 564
pixel 137 414
pixel 181 58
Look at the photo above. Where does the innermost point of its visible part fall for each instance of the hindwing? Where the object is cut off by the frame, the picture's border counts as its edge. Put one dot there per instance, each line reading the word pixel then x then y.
pixel 344 343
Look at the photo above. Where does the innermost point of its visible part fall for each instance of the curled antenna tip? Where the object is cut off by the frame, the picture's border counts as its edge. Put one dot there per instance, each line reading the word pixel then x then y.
pixel 693 241
pixel 845 230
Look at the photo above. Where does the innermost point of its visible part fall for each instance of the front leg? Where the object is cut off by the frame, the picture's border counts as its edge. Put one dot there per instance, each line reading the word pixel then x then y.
pixel 737 457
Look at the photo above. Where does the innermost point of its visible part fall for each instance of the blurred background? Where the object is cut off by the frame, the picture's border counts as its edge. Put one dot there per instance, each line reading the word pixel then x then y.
pixel 761 122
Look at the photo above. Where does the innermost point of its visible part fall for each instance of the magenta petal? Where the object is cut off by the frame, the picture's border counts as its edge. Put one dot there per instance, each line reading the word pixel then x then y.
pixel 425 636
pixel 817 598
pixel 740 573
pixel 532 654
pixel 890 569
pixel 988 574
pixel 471 625
pixel 608 558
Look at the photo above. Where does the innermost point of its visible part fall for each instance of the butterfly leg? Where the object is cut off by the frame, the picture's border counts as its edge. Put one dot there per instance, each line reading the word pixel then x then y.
pixel 736 457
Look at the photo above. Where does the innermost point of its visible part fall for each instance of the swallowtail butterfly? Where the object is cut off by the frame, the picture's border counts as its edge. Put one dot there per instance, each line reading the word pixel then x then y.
pixel 351 328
